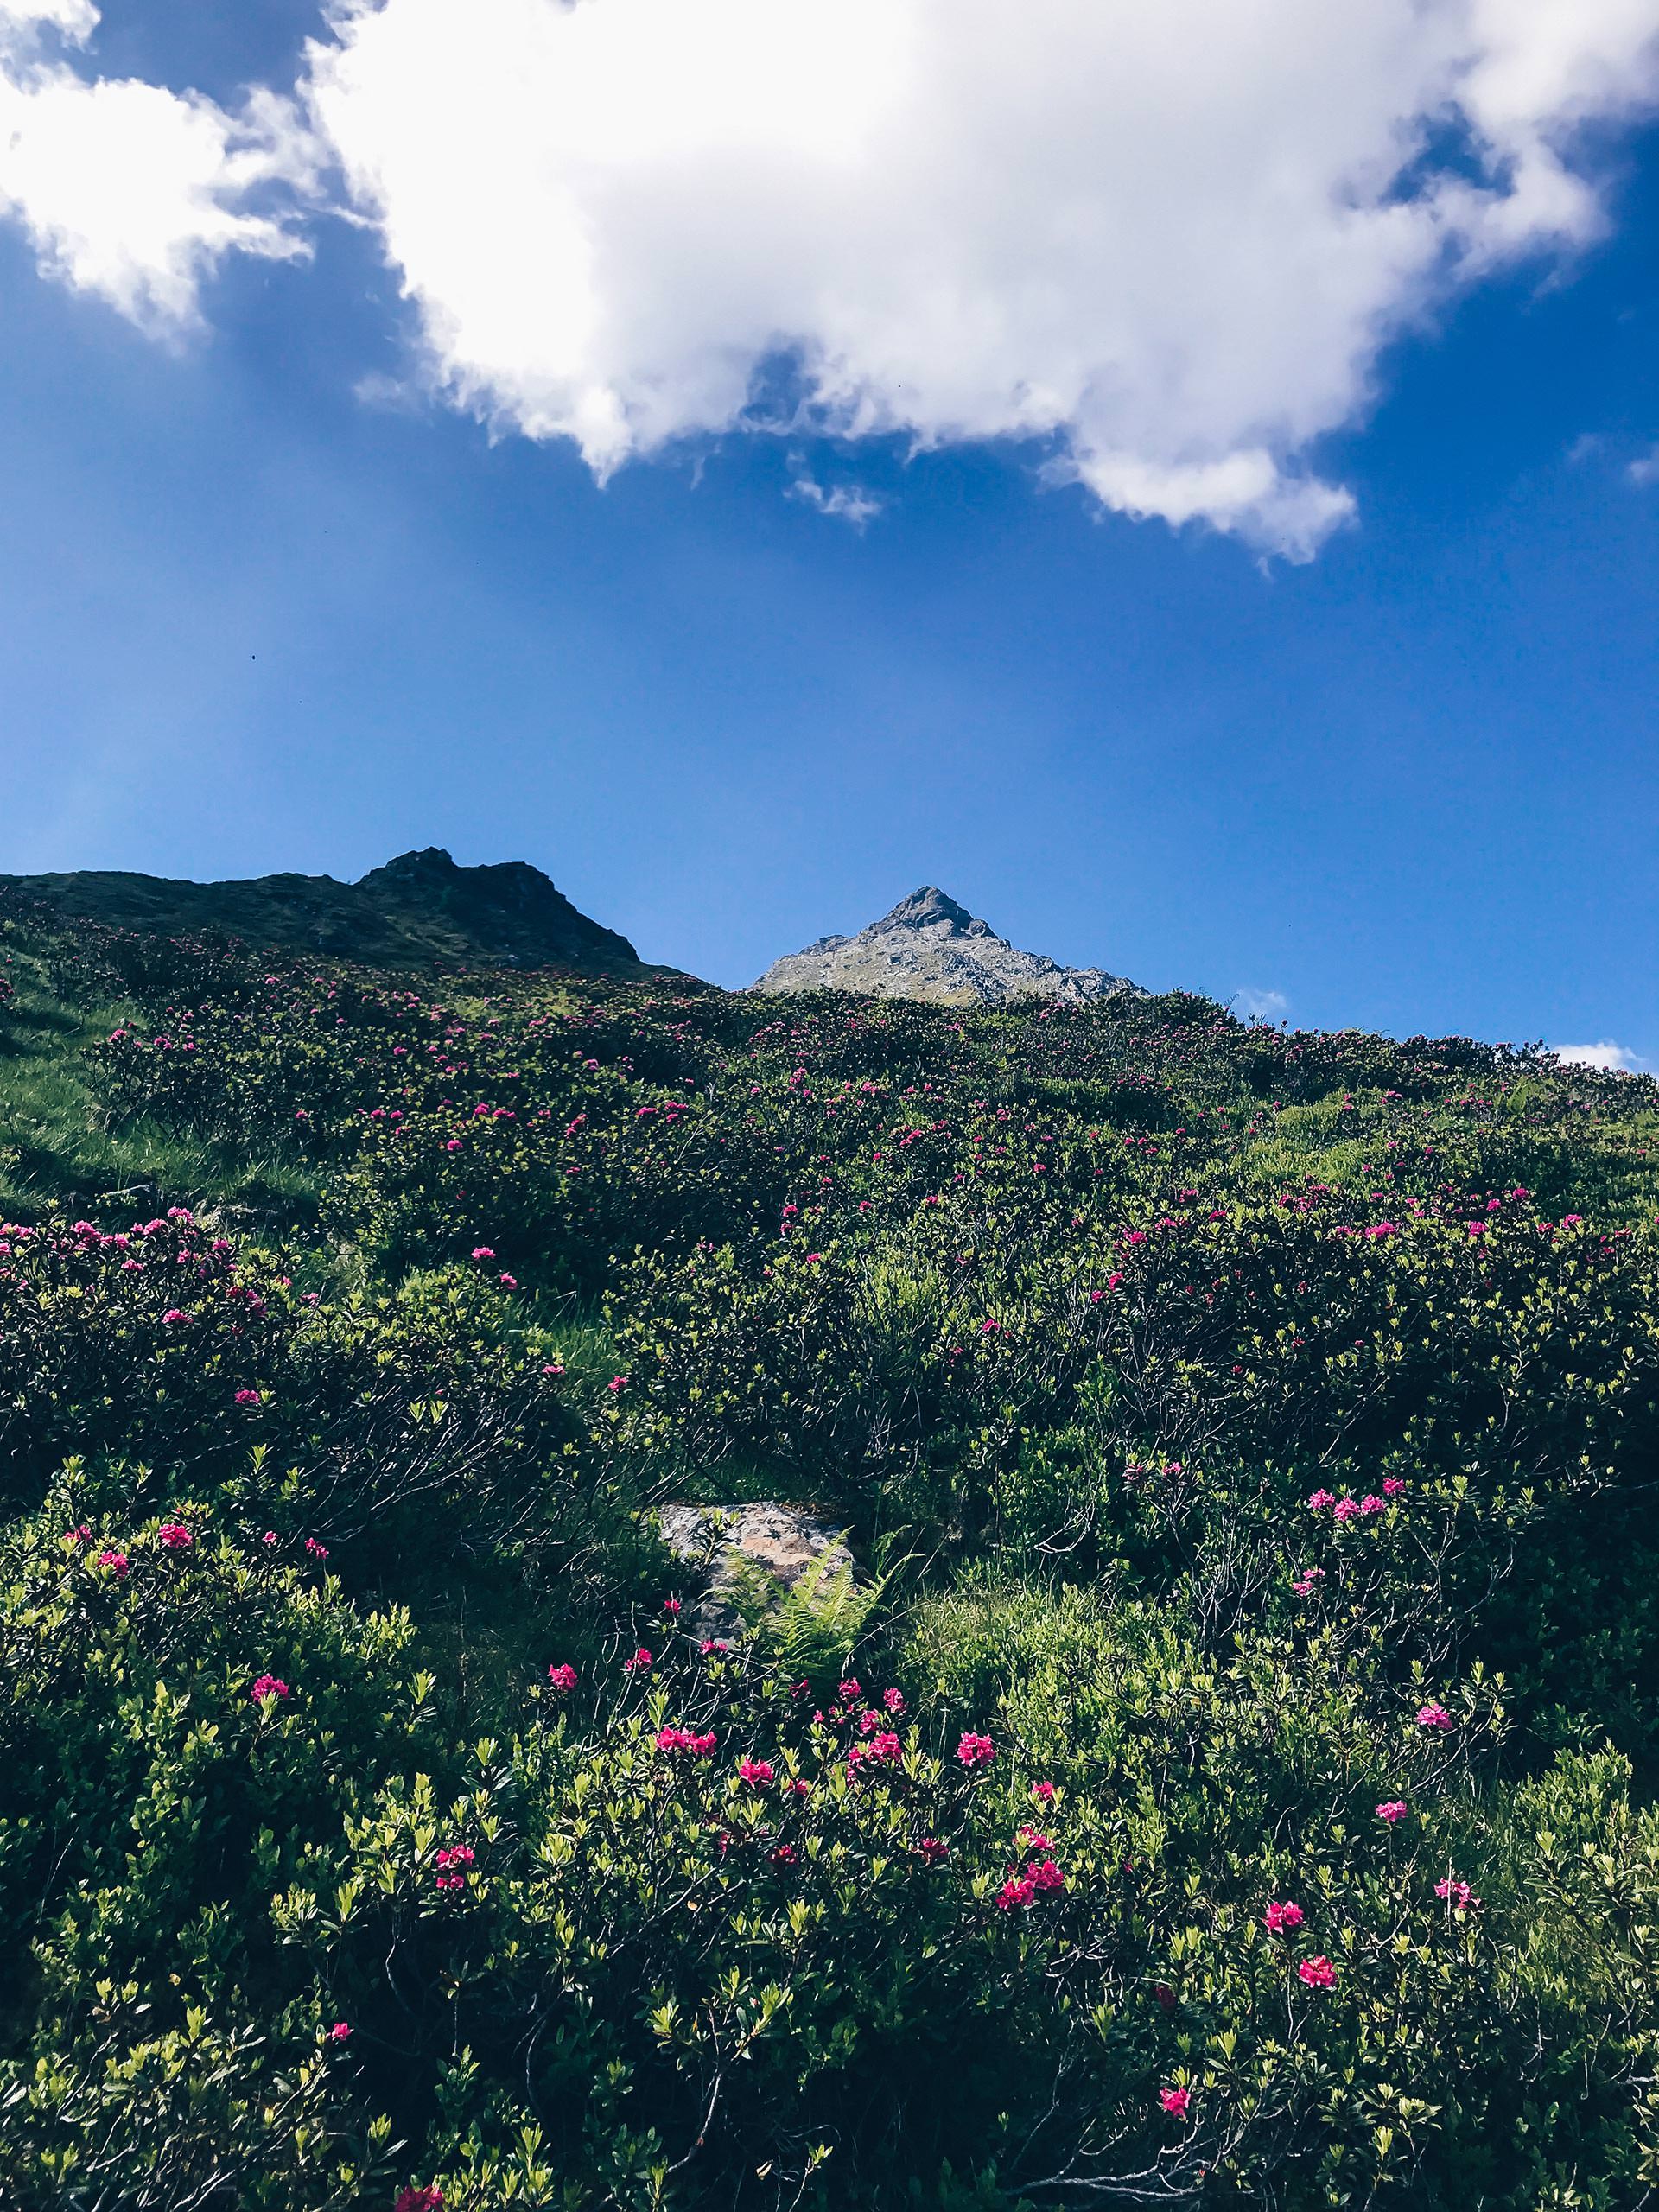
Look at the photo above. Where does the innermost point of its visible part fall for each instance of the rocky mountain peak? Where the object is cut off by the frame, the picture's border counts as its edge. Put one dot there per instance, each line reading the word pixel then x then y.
pixel 926 906
pixel 929 947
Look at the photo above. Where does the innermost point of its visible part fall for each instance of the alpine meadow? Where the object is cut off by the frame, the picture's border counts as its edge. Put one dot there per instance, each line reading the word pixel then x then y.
pixel 1220 1768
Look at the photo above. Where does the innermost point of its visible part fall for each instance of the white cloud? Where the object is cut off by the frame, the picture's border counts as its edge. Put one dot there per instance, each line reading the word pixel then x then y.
pixel 1164 243
pixel 851 502
pixel 1162 248
pixel 1263 1006
pixel 127 189
pixel 1644 470
pixel 1611 1058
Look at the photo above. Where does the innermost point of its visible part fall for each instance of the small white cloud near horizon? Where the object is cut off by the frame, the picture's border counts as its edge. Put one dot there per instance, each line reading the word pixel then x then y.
pixel 1263 1006
pixel 130 191
pixel 1611 1059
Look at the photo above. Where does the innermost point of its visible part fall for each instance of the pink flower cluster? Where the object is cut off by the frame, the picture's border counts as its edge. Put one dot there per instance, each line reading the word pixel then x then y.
pixel 757 1772
pixel 452 1867
pixel 1278 1918
pixel 1345 1508
pixel 1039 1878
pixel 1175 2101
pixel 975 1751
pixel 1396 1810
pixel 1318 1972
pixel 175 1537
pixel 882 1749
pixel 684 1740
pixel 270 1686
pixel 1433 1717
pixel 563 1677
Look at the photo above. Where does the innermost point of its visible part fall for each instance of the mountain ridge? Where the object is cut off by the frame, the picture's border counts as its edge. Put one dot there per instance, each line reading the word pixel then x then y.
pixel 930 947
pixel 422 908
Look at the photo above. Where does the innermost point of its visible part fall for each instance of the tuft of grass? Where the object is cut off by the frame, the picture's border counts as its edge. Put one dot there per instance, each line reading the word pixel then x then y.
pixel 58 1148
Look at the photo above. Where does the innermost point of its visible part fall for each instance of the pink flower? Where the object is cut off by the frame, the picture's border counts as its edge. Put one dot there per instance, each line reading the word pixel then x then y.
pixel 894 1700
pixel 618 1383
pixel 1458 1894
pixel 932 1851
pixel 1044 1876
pixel 757 1772
pixel 1318 1972
pixel 83 1535
pixel 116 1561
pixel 1016 1891
pixel 1321 1499
pixel 639 1664
pixel 316 1550
pixel 1346 1510
pixel 271 1686
pixel 247 1397
pixel 175 1537
pixel 1434 1716
pixel 1278 1918
pixel 453 1864
pixel 1396 1810
pixel 416 2198
pixel 1371 1503
pixel 975 1751
pixel 1307 1582
pixel 340 2032
pixel 671 1607
pixel 509 1282
pixel 1043 1792
pixel 563 1677
pixel 849 1690
pixel 1393 1486
pixel 1175 2101
pixel 173 1314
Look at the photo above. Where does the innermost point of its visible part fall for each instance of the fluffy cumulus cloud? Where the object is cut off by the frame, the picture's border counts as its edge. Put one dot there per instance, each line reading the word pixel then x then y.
pixel 1165 242
pixel 1613 1060
pixel 128 189
pixel 1161 247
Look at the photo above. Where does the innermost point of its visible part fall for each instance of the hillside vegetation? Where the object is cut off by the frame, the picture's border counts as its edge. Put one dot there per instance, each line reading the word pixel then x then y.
pixel 1229 1778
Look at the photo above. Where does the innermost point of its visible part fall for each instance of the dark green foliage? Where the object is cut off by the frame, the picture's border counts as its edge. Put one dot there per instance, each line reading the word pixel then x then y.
pixel 1249 1441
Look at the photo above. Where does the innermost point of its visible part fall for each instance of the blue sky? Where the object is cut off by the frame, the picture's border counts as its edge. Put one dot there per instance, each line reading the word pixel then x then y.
pixel 275 597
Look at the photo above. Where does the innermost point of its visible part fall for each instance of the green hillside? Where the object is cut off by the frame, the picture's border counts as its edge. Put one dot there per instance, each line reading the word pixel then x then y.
pixel 1226 1778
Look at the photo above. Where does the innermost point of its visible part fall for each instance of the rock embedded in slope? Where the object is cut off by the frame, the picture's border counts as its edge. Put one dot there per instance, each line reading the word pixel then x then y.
pixel 782 1540
pixel 930 948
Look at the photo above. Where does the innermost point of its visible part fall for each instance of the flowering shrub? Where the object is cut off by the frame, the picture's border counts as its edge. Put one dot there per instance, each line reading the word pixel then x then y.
pixel 1212 1781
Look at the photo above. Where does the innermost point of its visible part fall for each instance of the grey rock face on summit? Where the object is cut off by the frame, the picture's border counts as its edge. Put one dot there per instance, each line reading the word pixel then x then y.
pixel 930 948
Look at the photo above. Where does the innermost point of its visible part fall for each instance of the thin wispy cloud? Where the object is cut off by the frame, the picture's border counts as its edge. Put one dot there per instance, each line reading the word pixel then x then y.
pixel 848 503
pixel 1263 1006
